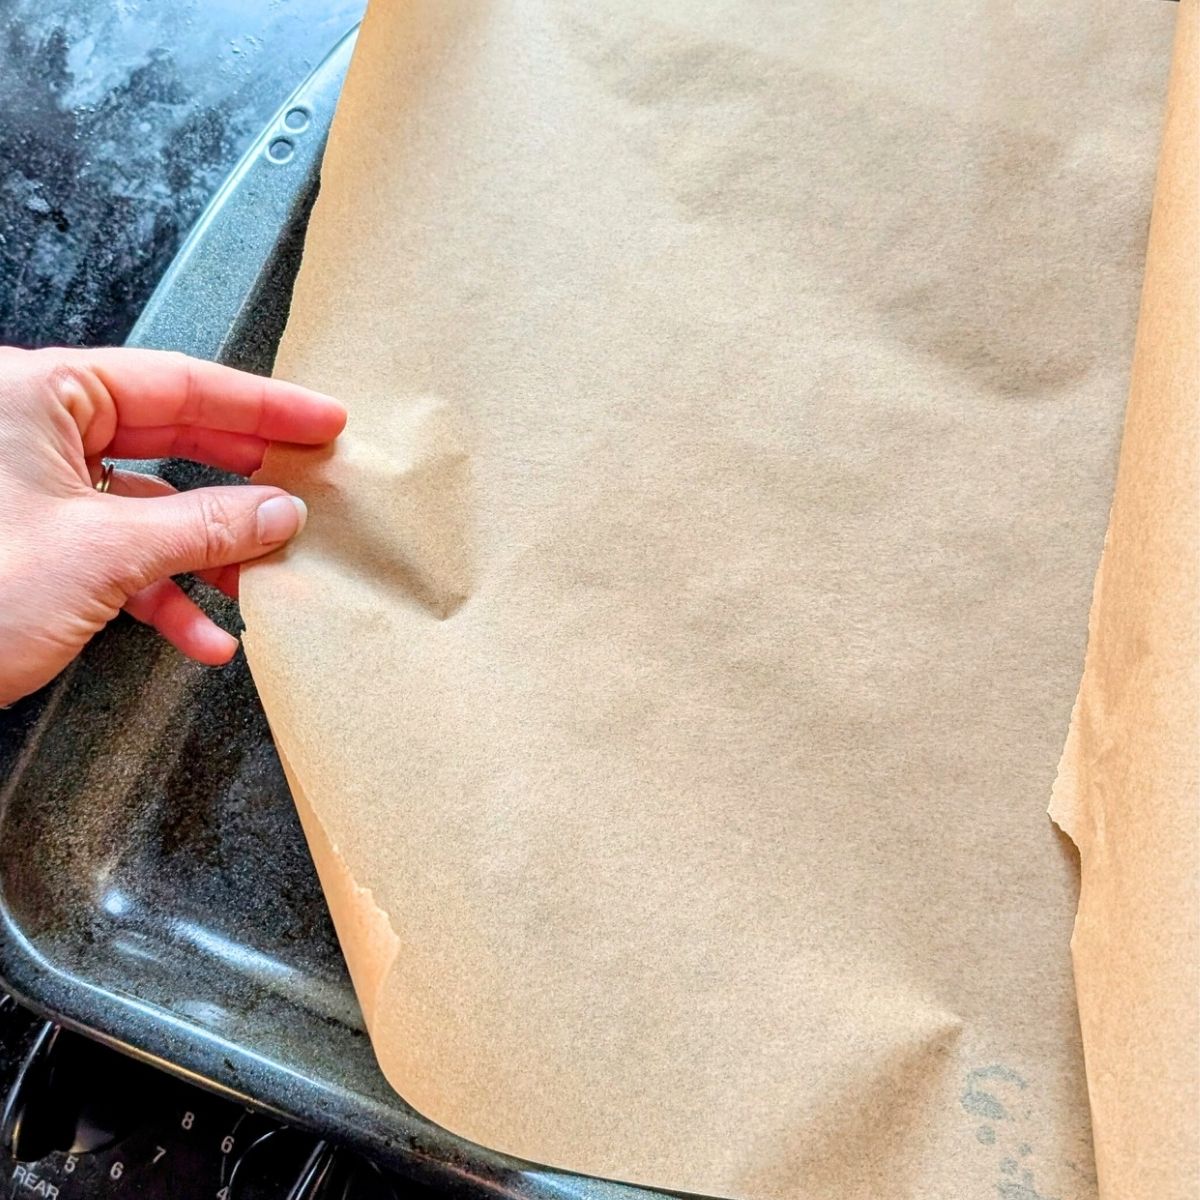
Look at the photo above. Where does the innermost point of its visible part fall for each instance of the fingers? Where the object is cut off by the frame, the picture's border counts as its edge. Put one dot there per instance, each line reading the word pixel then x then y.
pixel 146 531
pixel 165 607
pixel 153 403
pixel 152 388
pixel 201 530
pixel 224 579
pixel 135 484
pixel 240 453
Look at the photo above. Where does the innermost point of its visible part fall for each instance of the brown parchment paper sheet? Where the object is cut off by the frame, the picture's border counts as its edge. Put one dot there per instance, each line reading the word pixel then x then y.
pixel 1128 789
pixel 674 668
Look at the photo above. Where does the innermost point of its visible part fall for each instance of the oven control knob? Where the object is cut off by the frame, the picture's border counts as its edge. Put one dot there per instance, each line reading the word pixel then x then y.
pixel 73 1095
pixel 18 1030
pixel 29 1127
pixel 333 1173
pixel 286 1163
pixel 268 1163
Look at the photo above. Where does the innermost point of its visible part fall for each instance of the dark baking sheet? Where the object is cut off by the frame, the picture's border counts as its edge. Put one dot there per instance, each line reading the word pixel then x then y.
pixel 155 888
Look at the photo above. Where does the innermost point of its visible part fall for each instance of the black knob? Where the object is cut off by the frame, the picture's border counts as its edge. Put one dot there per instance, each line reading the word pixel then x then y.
pixel 333 1173
pixel 18 1027
pixel 74 1095
pixel 269 1163
pixel 30 1127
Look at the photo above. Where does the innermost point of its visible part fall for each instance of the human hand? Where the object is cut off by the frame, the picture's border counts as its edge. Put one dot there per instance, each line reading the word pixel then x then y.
pixel 71 558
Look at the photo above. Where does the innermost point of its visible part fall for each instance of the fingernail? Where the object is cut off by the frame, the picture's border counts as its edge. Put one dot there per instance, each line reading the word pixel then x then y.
pixel 280 518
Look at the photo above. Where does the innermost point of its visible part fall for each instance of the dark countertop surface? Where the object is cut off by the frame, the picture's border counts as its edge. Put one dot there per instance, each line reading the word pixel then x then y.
pixel 120 120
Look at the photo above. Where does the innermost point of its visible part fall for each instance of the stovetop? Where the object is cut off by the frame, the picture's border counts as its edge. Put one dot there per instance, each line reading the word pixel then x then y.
pixel 79 1121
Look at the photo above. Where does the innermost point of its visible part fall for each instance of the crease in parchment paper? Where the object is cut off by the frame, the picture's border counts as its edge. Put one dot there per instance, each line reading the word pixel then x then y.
pixel 422 553
pixel 678 651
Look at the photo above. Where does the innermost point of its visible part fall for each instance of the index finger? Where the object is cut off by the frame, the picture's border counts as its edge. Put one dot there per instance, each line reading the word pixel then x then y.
pixel 159 387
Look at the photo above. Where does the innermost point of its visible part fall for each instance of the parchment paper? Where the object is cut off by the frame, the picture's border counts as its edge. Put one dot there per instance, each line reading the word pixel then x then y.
pixel 674 667
pixel 1128 789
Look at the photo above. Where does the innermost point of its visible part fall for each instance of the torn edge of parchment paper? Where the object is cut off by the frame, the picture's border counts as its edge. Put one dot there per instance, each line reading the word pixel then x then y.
pixel 1128 783
pixel 356 915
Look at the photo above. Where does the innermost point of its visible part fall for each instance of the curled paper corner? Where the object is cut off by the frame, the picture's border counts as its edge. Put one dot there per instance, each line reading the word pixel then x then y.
pixel 1071 779
pixel 365 931
pixel 1063 809
pixel 1067 808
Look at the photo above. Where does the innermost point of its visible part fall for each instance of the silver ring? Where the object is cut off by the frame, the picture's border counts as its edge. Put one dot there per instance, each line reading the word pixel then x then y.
pixel 106 474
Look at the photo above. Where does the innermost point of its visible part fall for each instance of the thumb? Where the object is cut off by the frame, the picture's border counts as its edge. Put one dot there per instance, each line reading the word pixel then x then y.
pixel 206 528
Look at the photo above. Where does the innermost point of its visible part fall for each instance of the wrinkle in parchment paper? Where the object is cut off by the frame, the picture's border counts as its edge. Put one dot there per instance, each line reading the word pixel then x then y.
pixel 674 667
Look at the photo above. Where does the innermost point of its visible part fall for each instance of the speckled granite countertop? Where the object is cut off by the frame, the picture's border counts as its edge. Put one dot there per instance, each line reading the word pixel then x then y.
pixel 120 120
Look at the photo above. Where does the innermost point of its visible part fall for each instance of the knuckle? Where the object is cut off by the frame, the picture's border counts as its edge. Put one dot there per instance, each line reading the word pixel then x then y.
pixel 75 389
pixel 63 379
pixel 73 385
pixel 219 528
pixel 189 391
